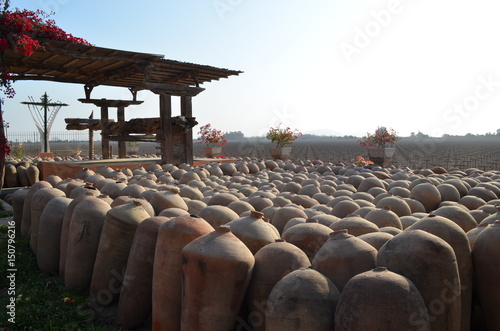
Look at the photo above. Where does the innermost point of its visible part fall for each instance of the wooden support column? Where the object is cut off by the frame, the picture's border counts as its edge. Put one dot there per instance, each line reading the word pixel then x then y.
pixel 122 149
pixel 104 138
pixel 91 139
pixel 187 111
pixel 166 125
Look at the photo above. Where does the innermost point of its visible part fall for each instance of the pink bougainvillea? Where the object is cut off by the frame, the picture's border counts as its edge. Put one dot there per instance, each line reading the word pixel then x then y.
pixel 26 31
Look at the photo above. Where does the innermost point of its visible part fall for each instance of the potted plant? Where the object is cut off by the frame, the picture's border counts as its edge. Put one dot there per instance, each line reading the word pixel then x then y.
pixel 133 147
pixel 282 137
pixel 380 145
pixel 215 140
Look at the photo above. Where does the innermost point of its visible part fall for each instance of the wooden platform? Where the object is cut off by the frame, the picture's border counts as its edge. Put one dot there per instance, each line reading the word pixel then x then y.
pixel 68 169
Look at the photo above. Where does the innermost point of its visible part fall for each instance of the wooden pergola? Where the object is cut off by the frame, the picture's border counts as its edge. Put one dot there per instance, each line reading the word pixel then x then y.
pixel 94 66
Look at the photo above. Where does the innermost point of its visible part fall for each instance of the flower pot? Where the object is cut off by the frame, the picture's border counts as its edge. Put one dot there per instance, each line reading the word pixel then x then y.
pixel 282 153
pixel 212 152
pixel 133 150
pixel 381 156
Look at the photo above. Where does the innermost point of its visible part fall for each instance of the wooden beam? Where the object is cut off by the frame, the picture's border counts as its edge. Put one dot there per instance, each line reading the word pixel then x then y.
pixel 176 90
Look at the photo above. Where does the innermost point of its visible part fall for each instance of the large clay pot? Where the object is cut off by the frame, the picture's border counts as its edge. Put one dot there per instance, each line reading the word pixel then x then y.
pixel 84 233
pixel 453 234
pixel 384 216
pixel 218 215
pixel 253 231
pixel 381 300
pixel 135 296
pixel 308 236
pixel 63 248
pixel 303 300
pixel 486 256
pixel 430 263
pixel 458 215
pixel 343 256
pixel 17 200
pixel 272 263
pixel 376 239
pixel 355 225
pixel 472 234
pixel 26 221
pixel 283 215
pixel 216 269
pixel 49 234
pixel 428 195
pixel 38 203
pixel 112 254
pixel 167 199
pixel 167 270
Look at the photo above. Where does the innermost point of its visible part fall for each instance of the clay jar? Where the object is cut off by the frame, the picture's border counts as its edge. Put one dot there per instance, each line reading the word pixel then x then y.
pixel 272 263
pixel 486 256
pixel 38 203
pixel 26 221
pixel 135 296
pixel 218 215
pixel 355 225
pixel 376 239
pixel 456 237
pixel 458 215
pixel 49 234
pixel 18 199
pixel 167 199
pixel 253 231
pixel 117 234
pixel 308 236
pixel 284 214
pixel 84 234
pixel 167 270
pixel 430 263
pixel 303 300
pixel 216 270
pixel 381 300
pixel 63 248
pixel 384 216
pixel 343 256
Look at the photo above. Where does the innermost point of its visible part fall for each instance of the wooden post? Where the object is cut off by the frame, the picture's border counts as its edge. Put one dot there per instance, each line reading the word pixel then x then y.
pixel 187 110
pixel 122 149
pixel 104 133
pixel 91 139
pixel 166 125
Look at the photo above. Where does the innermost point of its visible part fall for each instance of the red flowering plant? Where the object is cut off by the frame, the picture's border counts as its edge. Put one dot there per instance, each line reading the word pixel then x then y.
pixel 282 137
pixel 382 138
pixel 211 136
pixel 26 31
pixel 4 147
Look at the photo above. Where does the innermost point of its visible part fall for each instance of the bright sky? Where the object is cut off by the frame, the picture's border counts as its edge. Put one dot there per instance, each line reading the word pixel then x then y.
pixel 340 67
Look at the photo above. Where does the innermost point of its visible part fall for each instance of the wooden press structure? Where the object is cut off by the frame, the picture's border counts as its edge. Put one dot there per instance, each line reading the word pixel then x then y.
pixel 96 66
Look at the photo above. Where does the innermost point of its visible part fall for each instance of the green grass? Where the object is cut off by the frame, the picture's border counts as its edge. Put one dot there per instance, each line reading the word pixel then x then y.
pixel 43 302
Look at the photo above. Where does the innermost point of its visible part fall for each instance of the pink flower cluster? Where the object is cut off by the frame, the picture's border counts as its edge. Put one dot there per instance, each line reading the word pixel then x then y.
pixel 382 138
pixel 282 137
pixel 210 136
pixel 27 31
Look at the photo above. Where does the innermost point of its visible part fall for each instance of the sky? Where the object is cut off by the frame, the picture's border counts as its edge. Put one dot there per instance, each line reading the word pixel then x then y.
pixel 333 67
